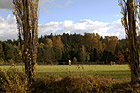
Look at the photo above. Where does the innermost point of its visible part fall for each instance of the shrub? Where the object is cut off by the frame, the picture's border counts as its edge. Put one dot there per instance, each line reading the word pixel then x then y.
pixel 1 61
pixel 13 81
pixel 11 61
pixel 74 59
pixel 70 84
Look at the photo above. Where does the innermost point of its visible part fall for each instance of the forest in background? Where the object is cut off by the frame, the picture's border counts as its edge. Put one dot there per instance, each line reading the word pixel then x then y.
pixel 89 47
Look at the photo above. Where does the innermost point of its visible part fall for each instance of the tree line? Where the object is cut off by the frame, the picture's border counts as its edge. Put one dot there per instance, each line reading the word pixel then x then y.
pixel 89 47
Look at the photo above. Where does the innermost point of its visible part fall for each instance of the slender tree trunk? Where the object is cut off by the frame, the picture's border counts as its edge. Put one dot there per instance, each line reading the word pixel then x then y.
pixel 132 40
pixel 27 21
pixel 27 40
pixel 30 40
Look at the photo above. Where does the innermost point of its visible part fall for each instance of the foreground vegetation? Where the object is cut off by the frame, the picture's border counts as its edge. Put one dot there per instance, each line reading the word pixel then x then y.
pixel 74 78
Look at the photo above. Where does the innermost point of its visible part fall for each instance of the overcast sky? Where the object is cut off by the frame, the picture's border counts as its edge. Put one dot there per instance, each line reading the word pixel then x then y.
pixel 68 16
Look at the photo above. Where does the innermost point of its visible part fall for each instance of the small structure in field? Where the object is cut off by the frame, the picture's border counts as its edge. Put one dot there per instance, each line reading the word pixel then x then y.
pixel 69 62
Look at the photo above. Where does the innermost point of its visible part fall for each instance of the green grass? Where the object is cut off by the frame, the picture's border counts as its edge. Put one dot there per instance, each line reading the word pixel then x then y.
pixel 118 72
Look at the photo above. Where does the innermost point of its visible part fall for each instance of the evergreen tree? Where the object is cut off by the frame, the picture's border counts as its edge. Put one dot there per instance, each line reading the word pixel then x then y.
pixel 1 52
pixel 107 56
pixel 94 56
pixel 17 57
pixel 8 51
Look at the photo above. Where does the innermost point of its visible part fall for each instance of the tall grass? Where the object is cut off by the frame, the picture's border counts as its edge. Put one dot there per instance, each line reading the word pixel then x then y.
pixel 13 80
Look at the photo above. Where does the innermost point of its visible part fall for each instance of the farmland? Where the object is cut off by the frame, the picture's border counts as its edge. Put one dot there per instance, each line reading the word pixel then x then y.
pixel 116 72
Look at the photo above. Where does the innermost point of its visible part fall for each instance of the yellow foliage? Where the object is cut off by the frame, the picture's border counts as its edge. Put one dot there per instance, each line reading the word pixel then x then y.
pixel 20 53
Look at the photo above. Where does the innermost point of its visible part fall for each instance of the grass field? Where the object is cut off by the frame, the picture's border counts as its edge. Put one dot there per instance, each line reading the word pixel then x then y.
pixel 118 72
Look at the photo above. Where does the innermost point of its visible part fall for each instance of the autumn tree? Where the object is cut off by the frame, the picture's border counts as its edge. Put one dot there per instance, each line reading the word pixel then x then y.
pixel 57 43
pixel 82 55
pixel 57 47
pixel 26 12
pixel 87 41
pixel 120 57
pixel 49 42
pixel 93 41
pixel 111 42
pixel 130 9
